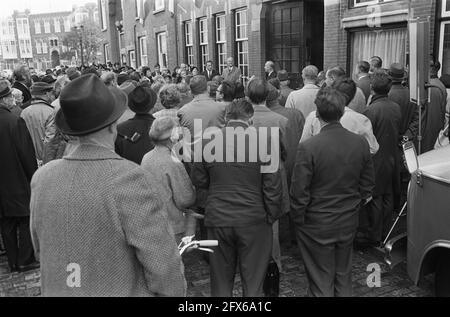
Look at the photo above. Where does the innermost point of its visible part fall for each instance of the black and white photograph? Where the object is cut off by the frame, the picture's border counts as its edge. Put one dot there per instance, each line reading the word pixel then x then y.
pixel 225 154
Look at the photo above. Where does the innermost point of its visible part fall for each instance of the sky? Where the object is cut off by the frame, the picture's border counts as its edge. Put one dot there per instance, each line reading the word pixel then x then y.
pixel 38 6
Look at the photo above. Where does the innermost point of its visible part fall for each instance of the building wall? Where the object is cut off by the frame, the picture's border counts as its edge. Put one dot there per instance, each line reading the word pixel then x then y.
pixel 41 57
pixel 341 18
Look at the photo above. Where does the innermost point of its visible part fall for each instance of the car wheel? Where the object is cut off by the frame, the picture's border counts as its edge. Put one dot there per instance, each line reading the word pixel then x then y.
pixel 442 279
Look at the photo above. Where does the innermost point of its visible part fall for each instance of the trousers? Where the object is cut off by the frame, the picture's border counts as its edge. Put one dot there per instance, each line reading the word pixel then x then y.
pixel 327 255
pixel 249 247
pixel 17 241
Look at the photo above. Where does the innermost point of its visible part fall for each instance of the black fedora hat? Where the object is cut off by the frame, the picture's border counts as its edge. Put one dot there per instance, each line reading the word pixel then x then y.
pixel 397 72
pixel 88 106
pixel 141 100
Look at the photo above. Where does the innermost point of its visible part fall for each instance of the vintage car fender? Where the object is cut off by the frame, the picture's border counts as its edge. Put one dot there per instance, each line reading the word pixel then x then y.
pixel 429 259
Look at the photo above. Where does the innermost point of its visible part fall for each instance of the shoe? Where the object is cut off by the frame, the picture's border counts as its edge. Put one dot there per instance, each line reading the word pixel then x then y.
pixel 2 252
pixel 29 267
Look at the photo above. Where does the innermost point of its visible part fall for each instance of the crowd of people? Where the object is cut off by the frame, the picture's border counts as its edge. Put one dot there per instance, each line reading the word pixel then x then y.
pixel 91 192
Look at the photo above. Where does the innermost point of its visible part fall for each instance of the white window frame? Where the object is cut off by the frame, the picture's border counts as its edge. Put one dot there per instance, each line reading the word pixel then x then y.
pixel 106 49
pixel 132 57
pixel 44 47
pixel 203 37
pixel 57 23
pixel 47 28
pixel 66 24
pixel 37 27
pixel 221 42
pixel 441 43
pixel 240 41
pixel 444 12
pixel 38 47
pixel 162 49
pixel 159 6
pixel 368 3
pixel 104 21
pixel 189 42
pixel 143 51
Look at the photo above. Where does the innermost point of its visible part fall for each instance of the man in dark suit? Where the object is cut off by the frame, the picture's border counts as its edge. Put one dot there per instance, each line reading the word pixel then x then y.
pixel 242 203
pixel 333 175
pixel 363 81
pixel 18 164
pixel 210 73
pixel 232 73
pixel 385 116
pixel 133 140
pixel 269 68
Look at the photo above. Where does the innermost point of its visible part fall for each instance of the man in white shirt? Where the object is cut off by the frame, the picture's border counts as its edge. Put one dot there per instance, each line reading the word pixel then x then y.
pixel 303 99
pixel 352 120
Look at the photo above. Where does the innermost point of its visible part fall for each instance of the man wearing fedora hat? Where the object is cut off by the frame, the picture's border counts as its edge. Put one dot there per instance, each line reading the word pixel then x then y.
pixel 400 95
pixel 285 90
pixel 98 223
pixel 18 164
pixel 38 115
pixel 133 141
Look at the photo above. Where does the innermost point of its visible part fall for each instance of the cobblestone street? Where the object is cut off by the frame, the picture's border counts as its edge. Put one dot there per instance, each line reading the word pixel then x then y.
pixel 395 283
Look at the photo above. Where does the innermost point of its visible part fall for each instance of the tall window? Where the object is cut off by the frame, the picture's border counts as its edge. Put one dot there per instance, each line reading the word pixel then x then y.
pixel 203 28
pixel 159 5
pixel 242 42
pixel 106 49
pixel 103 13
pixel 44 47
pixel 221 42
pixel 189 42
pixel 143 51
pixel 11 27
pixel 57 25
pixel 162 49
pixel 132 55
pixel 66 24
pixel 444 47
pixel 47 26
pixel 38 46
pixel 37 27
pixel 140 9
pixel 28 46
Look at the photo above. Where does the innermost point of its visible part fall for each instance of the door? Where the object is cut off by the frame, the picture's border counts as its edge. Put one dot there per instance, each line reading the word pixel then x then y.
pixel 285 38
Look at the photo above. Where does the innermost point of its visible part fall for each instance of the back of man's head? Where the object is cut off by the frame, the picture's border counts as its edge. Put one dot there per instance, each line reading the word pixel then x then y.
pixel 228 91
pixel 239 109
pixel 21 73
pixel 347 87
pixel 310 73
pixel 363 67
pixel 198 84
pixel 330 104
pixel 381 83
pixel 258 91
pixel 376 63
pixel 336 73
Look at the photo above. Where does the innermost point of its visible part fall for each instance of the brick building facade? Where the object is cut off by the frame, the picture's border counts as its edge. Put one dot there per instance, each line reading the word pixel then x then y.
pixel 359 29
pixel 171 32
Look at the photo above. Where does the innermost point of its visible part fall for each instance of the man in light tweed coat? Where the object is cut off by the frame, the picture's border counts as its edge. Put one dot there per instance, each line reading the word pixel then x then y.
pixel 97 222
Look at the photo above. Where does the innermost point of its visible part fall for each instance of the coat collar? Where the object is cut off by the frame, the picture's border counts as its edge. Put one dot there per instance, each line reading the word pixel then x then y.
pixel 378 98
pixel 332 126
pixel 259 108
pixel 237 123
pixel 91 152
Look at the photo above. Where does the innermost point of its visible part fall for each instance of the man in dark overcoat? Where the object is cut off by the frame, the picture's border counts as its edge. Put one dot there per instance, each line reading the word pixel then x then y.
pixel 133 140
pixel 18 164
pixel 386 117
pixel 333 176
